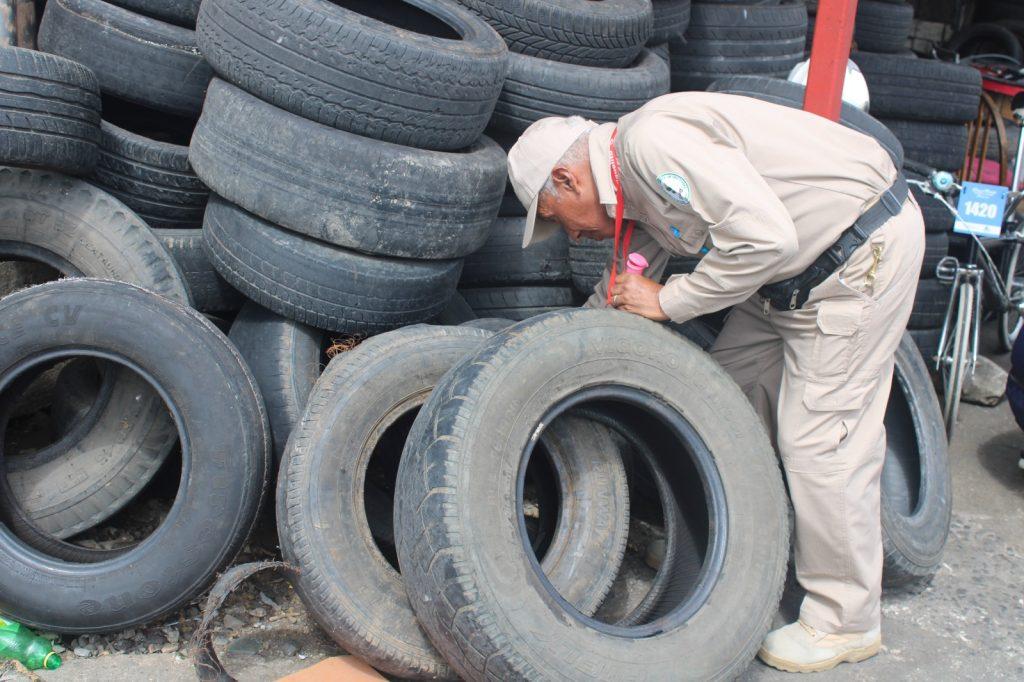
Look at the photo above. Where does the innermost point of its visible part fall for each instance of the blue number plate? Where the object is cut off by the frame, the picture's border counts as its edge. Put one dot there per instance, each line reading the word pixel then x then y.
pixel 981 209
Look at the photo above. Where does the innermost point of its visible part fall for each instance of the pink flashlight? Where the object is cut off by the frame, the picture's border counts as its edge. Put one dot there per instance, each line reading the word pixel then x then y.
pixel 636 264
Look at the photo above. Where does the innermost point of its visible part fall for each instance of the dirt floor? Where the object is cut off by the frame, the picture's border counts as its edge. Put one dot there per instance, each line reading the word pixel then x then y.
pixel 967 625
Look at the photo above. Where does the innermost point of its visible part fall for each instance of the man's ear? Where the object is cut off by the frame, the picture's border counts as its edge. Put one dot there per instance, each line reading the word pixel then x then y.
pixel 565 179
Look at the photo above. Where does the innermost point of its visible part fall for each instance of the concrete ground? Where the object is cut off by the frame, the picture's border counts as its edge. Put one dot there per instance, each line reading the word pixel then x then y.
pixel 969 624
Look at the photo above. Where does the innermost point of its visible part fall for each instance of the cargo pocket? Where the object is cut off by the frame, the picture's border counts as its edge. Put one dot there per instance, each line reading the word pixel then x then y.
pixel 838 322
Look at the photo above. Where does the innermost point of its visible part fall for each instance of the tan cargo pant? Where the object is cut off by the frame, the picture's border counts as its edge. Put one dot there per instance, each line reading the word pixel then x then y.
pixel 819 377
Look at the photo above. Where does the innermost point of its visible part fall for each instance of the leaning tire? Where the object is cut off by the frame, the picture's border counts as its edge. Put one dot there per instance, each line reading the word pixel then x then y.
pixel 334 498
pixel 403 78
pixel 726 40
pixel 537 88
pixel 208 290
pixel 518 303
pixel 939 145
pixel 792 95
pixel 322 285
pixel 882 26
pixel 609 34
pixel 474 585
pixel 285 358
pixel 180 12
pixel 50 110
pixel 151 177
pixel 142 60
pixel 917 491
pixel 226 459
pixel 502 260
pixel 347 190
pixel 920 89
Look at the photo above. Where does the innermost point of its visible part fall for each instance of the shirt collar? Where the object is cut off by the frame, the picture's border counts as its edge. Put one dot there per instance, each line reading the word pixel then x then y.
pixel 600 164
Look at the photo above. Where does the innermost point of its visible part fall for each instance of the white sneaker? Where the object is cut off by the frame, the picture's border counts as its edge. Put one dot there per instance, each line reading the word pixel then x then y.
pixel 799 648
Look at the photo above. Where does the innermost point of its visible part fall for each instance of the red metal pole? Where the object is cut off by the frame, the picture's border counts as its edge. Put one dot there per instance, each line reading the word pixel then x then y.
pixel 833 35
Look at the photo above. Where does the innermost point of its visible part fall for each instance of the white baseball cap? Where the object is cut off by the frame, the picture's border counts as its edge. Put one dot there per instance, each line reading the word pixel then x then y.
pixel 530 162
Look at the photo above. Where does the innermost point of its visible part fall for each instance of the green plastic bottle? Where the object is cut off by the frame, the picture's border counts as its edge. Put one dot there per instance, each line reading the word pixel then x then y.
pixel 21 644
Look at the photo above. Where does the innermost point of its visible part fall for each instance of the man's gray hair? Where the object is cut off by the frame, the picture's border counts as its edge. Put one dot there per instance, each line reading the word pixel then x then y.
pixel 578 152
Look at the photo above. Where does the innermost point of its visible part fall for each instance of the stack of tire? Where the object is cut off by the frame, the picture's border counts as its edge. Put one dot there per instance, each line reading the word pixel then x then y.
pixel 737 39
pixel 926 103
pixel 153 81
pixel 566 59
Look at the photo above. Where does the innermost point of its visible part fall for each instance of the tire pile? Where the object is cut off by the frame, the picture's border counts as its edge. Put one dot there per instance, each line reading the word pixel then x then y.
pixel 472 501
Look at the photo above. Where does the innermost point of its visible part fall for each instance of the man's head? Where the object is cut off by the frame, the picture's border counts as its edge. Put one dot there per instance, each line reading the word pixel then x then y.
pixel 550 172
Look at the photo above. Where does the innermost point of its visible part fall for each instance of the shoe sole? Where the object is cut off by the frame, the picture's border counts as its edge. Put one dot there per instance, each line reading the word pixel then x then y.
pixel 851 656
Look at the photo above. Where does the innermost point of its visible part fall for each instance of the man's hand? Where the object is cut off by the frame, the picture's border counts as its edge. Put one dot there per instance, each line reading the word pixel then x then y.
pixel 638 295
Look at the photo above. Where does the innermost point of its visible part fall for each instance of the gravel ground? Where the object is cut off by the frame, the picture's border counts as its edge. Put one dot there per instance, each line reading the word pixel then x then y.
pixel 966 625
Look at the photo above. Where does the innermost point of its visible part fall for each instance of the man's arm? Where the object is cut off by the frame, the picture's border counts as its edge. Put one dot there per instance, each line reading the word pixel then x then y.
pixel 641 243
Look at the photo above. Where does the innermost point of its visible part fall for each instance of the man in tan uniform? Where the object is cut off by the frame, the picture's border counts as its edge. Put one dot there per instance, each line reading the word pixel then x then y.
pixel 766 194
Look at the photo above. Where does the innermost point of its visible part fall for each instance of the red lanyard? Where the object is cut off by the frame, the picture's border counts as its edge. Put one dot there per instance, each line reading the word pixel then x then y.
pixel 620 209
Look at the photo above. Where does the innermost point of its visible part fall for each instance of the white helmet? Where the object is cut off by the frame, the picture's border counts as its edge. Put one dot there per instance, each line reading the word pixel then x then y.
pixel 855 88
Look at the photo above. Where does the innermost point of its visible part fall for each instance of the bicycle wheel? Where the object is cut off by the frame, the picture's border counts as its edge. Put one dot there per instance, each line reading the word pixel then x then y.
pixel 1010 320
pixel 955 356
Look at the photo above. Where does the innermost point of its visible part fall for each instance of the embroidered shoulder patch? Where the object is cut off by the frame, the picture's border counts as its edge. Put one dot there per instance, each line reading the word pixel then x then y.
pixel 675 187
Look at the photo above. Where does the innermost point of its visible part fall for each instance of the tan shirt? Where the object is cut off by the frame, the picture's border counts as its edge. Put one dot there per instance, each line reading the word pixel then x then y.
pixel 764 188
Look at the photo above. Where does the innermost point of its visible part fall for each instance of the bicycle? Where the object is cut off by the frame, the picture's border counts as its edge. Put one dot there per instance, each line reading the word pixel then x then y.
pixel 957 352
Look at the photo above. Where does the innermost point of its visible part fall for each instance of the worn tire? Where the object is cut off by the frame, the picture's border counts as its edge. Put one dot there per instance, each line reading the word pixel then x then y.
pixel 882 26
pixel 939 145
pixel 476 590
pixel 180 12
pixel 610 34
pixel 518 303
pixel 920 89
pixel 321 285
pixel 726 40
pixel 347 190
pixel 227 458
pixel 286 359
pixel 671 17
pixel 538 88
pixel 333 529
pixel 792 95
pixel 142 60
pixel 345 69
pixel 49 112
pixel 917 493
pixel 152 178
pixel 209 292
pixel 456 312
pixel 502 260
pixel 930 304
pixel 936 247
pixel 984 38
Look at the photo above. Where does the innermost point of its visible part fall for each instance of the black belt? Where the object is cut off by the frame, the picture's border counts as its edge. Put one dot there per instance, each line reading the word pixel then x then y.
pixel 792 293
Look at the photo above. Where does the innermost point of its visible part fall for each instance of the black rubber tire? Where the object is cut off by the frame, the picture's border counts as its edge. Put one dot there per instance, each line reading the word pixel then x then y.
pixel 939 145
pixel 456 312
pixel 286 359
pixel 138 59
pixel 510 205
pixel 361 410
pixel 937 218
pixel 344 69
pixel 609 34
pixel 986 38
pixel 936 247
pixel 180 12
pixel 920 89
pixel 518 303
pixel 227 458
pixel 49 112
pixel 351 191
pixel 538 88
pixel 882 26
pixel 917 493
pixel 209 292
pixel 321 285
pixel 927 342
pixel 792 95
pixel 456 491
pixel 502 260
pixel 671 18
pixel 491 324
pixel 152 178
pixel 587 261
pixel 726 40
pixel 930 304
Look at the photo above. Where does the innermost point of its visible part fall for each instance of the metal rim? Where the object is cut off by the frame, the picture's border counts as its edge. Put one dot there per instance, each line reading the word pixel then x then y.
pixel 714 494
